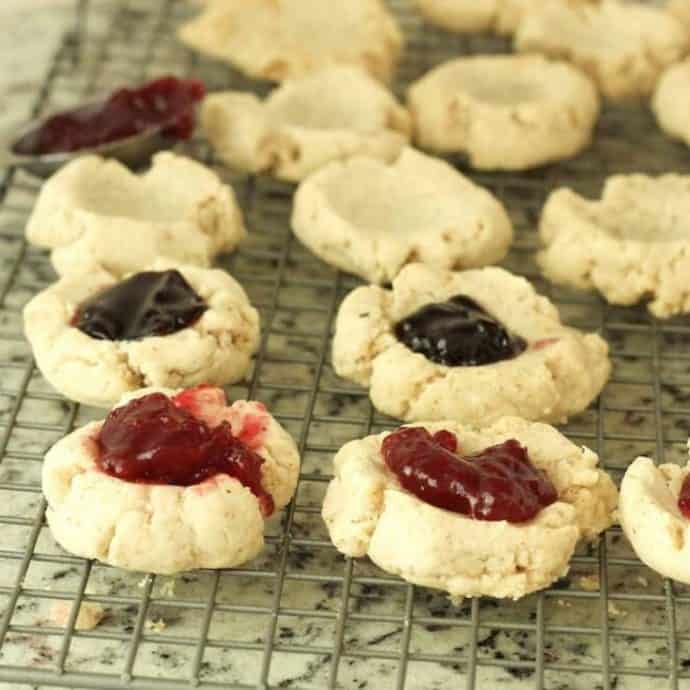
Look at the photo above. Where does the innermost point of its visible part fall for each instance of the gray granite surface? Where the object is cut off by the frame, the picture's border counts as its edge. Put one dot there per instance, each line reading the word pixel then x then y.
pixel 597 628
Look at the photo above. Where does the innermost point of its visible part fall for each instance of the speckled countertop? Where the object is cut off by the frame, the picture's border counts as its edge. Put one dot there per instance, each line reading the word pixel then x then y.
pixel 382 620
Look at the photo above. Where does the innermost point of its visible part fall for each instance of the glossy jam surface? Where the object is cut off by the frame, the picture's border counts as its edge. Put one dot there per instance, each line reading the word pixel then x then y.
pixel 500 483
pixel 166 103
pixel 147 304
pixel 458 332
pixel 684 498
pixel 154 440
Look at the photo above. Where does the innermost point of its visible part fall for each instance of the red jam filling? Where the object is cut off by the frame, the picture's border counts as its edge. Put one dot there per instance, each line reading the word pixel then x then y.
pixel 154 440
pixel 166 103
pixel 500 483
pixel 684 498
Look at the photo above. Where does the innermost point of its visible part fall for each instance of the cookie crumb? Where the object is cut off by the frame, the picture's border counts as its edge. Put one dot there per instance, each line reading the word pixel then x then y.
pixel 168 588
pixel 590 583
pixel 563 603
pixel 614 611
pixel 155 625
pixel 90 615
pixel 642 581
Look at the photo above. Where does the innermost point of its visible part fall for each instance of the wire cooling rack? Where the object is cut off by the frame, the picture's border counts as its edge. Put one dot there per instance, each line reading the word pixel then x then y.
pixel 301 616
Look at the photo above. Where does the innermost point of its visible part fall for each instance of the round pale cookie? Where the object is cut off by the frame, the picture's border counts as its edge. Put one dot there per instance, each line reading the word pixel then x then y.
pixel 283 39
pixel 631 244
pixel 368 513
pixel 651 519
pixel 470 16
pixel 671 102
pixel 505 112
pixel 217 348
pixel 371 219
pixel 94 213
pixel 561 371
pixel 303 124
pixel 160 528
pixel 623 47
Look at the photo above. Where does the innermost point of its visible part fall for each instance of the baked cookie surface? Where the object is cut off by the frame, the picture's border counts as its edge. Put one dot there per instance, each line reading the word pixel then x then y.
pixel 544 110
pixel 680 9
pixel 371 218
pixel 335 113
pixel 214 348
pixel 470 16
pixel 651 518
pixel 166 528
pixel 672 100
pixel 623 47
pixel 631 244
pixel 555 372
pixel 94 213
pixel 368 513
pixel 282 39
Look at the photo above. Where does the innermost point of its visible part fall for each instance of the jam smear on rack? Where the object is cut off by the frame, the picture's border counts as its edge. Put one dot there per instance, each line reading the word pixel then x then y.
pixel 151 303
pixel 167 103
pixel 500 483
pixel 152 440
pixel 458 332
pixel 684 498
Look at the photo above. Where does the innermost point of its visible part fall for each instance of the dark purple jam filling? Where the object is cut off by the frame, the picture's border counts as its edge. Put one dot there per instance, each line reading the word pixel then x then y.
pixel 458 332
pixel 147 304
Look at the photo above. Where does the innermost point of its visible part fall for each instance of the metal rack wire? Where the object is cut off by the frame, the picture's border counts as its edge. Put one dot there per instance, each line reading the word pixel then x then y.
pixel 301 616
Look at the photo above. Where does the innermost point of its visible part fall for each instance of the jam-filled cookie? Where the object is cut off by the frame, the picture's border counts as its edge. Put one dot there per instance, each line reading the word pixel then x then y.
pixel 505 112
pixel 95 213
pixel 96 337
pixel 305 123
pixel 623 46
pixel 472 346
pixel 371 218
pixel 631 244
pixel 495 512
pixel 170 481
pixel 283 39
pixel 654 512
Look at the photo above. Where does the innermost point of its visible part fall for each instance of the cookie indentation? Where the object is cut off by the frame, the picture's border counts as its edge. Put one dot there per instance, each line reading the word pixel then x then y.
pixel 545 110
pixel 371 218
pixel 499 483
pixel 154 441
pixel 151 303
pixel 286 39
pixel 458 332
pixel 622 46
pixel 304 124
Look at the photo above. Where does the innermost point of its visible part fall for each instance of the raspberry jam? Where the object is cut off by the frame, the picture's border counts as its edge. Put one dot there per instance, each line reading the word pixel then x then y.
pixel 147 304
pixel 684 498
pixel 500 483
pixel 458 332
pixel 153 440
pixel 166 103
